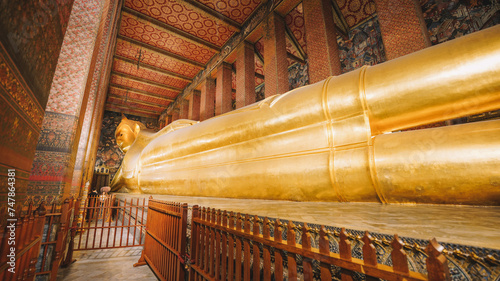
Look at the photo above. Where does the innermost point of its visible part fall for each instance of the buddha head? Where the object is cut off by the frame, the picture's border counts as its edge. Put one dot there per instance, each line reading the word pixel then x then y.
pixel 126 132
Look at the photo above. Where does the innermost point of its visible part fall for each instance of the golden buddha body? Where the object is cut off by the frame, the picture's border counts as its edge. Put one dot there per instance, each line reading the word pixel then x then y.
pixel 332 141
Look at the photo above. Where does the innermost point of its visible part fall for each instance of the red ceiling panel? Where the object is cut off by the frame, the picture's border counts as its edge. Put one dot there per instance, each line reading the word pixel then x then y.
pixel 154 35
pixel 238 11
pixel 143 86
pixel 151 75
pixel 181 15
pixel 136 96
pixel 119 101
pixel 129 50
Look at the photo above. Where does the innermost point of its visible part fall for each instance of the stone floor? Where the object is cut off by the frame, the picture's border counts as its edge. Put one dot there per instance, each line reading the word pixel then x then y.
pixel 108 264
pixel 472 226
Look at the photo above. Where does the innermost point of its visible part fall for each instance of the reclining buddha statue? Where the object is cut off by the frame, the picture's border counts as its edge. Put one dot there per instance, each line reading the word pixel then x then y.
pixel 340 139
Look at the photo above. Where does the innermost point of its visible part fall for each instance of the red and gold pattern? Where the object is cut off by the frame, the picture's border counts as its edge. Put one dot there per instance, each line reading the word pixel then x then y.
pixel 154 35
pixel 129 50
pixel 142 86
pixel 119 101
pixel 181 15
pixel 238 11
pixel 20 94
pixel 356 11
pixel 137 96
pixel 151 75
pixel 295 22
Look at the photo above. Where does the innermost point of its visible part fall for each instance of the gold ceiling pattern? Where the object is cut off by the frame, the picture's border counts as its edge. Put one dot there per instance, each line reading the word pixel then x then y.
pixel 163 44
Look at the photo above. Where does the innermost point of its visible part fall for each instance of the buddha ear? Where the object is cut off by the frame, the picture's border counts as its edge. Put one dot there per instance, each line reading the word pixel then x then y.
pixel 137 129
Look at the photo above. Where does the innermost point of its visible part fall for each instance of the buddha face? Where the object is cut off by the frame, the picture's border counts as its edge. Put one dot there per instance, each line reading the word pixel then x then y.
pixel 124 138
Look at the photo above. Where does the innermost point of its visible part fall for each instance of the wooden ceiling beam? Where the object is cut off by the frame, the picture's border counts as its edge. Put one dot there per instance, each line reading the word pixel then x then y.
pixel 146 81
pixel 127 108
pixel 161 51
pixel 214 14
pixel 178 32
pixel 295 58
pixel 133 113
pixel 136 100
pixel 154 68
pixel 137 91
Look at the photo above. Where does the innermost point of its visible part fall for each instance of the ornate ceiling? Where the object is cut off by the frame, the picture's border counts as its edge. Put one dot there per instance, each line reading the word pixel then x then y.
pixel 163 44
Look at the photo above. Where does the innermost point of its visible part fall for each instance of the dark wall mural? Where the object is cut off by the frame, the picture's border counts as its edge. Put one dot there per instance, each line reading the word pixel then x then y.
pixel 362 46
pixel 109 156
pixel 449 19
pixel 32 32
pixel 298 75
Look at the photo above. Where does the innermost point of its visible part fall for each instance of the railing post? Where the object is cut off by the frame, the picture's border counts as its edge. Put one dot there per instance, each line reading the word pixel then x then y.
pixel 399 259
pixel 306 245
pixel 38 232
pixel 278 256
pixel 324 249
pixel 59 249
pixel 142 260
pixel 437 264
pixel 345 254
pixel 194 243
pixel 256 250
pixel 266 234
pixel 369 254
pixel 69 256
pixel 182 243
pixel 291 258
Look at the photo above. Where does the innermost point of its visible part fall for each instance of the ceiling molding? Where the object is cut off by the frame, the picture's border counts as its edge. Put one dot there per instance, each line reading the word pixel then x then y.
pixel 161 51
pixel 214 14
pixel 154 68
pixel 137 91
pixel 178 32
pixel 146 81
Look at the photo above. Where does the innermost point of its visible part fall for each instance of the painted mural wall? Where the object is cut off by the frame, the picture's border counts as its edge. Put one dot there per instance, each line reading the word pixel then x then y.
pixel 450 19
pixel 362 46
pixel 108 154
pixel 31 36
pixel 298 75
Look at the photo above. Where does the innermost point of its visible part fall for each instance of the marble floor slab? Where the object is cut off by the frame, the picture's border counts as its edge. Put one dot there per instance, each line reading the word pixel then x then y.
pixel 467 225
pixel 109 264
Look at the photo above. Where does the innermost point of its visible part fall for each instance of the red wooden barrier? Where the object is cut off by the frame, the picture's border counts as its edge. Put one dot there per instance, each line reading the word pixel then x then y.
pixel 165 242
pixel 109 223
pixel 27 236
pixel 217 246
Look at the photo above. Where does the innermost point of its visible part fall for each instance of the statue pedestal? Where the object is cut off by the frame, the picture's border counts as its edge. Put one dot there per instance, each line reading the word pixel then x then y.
pixel 465 225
